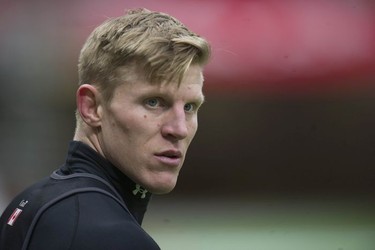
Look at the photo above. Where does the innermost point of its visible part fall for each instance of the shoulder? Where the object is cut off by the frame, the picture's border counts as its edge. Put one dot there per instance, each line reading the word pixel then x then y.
pixel 89 220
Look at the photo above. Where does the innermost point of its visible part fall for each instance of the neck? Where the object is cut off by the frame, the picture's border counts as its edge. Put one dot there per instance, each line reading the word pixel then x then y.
pixel 89 136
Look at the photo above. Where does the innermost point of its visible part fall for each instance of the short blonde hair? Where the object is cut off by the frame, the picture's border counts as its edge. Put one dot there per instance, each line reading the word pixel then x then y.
pixel 156 45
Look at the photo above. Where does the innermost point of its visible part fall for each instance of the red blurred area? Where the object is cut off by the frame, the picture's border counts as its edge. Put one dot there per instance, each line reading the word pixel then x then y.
pixel 282 46
pixel 293 46
pixel 258 46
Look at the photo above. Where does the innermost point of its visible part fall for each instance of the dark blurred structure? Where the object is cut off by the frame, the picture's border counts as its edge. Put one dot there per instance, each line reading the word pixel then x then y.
pixel 290 93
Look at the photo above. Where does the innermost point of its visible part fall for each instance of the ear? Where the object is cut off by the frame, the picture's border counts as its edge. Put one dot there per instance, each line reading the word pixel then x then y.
pixel 89 104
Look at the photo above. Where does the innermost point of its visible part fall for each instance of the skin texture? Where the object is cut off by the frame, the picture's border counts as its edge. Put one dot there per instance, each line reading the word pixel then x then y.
pixel 146 129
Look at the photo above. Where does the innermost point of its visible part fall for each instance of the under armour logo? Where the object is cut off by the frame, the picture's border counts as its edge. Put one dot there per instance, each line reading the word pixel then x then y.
pixel 141 190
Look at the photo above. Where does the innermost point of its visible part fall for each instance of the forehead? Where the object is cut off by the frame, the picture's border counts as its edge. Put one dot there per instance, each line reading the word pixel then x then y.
pixel 191 84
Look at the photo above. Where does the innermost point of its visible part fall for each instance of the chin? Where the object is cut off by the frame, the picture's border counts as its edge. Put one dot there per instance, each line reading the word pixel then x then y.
pixel 161 190
pixel 161 187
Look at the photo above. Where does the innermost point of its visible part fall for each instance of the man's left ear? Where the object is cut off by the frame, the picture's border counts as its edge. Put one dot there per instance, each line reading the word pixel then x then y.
pixel 89 104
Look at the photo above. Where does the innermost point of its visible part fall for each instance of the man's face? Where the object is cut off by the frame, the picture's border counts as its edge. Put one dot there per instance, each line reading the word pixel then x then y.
pixel 146 129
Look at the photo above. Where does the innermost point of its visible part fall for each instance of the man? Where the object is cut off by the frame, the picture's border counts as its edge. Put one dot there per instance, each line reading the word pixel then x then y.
pixel 140 88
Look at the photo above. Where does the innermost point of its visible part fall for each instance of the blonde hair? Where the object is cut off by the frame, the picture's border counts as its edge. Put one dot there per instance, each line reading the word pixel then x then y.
pixel 154 45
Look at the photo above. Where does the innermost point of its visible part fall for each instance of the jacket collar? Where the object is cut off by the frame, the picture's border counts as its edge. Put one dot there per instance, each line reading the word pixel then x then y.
pixel 82 158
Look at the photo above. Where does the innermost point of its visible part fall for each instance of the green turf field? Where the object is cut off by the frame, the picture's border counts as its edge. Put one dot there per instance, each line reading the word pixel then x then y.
pixel 261 224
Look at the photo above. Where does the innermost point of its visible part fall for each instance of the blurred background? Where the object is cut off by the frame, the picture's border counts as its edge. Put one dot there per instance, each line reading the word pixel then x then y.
pixel 285 154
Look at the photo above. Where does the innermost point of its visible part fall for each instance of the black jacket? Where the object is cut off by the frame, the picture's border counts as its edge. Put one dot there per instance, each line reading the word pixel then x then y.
pixel 86 204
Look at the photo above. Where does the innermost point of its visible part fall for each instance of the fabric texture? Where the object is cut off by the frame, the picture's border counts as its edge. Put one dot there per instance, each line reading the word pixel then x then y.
pixel 85 204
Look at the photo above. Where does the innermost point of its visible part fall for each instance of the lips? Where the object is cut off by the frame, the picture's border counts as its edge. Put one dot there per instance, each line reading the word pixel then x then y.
pixel 171 154
pixel 170 157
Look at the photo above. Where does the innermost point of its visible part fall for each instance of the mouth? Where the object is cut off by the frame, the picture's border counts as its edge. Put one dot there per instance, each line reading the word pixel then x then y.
pixel 170 154
pixel 170 157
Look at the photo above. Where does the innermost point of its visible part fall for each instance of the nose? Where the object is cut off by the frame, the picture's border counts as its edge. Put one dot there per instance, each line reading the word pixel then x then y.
pixel 175 125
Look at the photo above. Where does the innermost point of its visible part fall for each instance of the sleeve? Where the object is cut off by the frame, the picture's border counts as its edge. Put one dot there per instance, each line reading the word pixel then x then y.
pixel 89 221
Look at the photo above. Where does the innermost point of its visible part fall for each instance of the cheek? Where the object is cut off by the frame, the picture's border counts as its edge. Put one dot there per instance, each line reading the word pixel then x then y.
pixel 193 129
pixel 146 121
pixel 194 124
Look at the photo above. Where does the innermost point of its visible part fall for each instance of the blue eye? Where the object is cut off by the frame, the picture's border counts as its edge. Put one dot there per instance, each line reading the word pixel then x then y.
pixel 189 107
pixel 152 102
